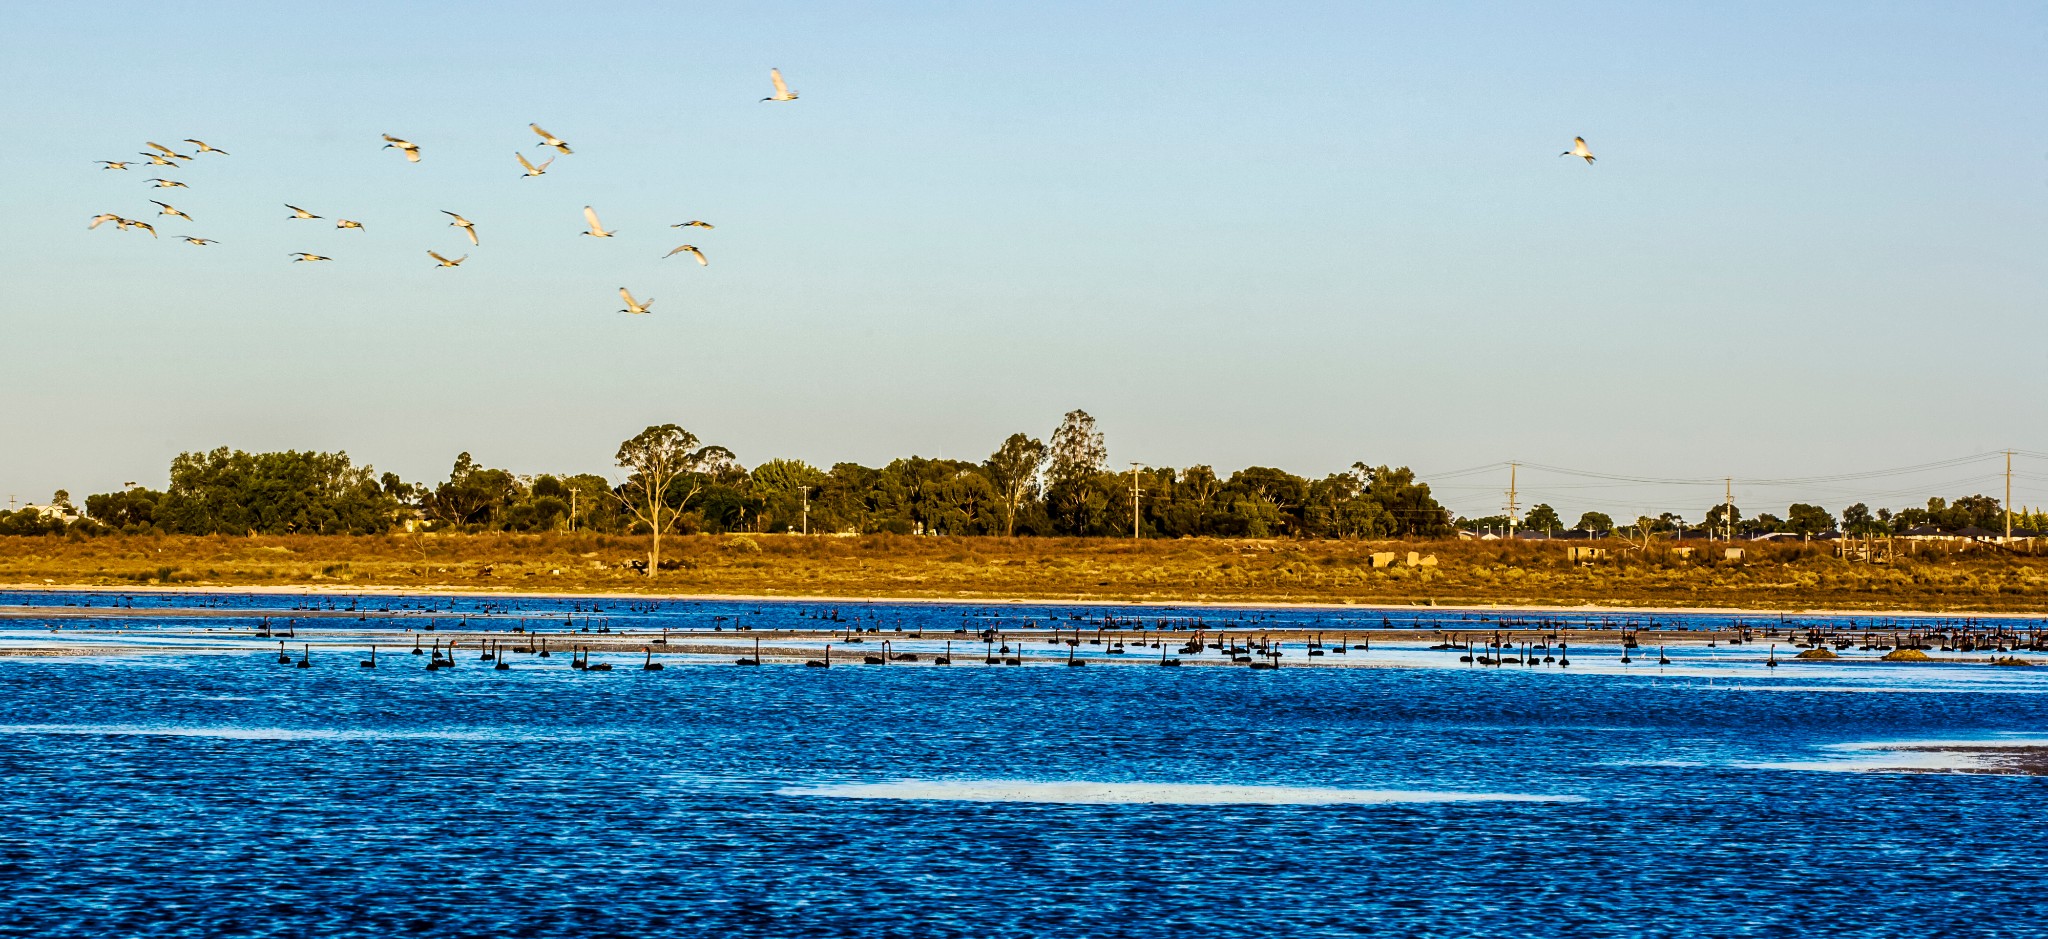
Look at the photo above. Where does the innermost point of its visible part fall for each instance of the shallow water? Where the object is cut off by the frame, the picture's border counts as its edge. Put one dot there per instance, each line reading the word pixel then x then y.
pixel 213 791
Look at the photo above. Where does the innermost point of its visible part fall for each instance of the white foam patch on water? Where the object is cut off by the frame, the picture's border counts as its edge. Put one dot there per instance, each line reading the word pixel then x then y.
pixel 246 733
pixel 1907 756
pixel 1960 687
pixel 1937 742
pixel 1891 763
pixel 1102 793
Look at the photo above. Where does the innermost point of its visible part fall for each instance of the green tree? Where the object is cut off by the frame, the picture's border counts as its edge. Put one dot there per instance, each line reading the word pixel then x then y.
pixel 1857 520
pixel 231 492
pixel 1265 502
pixel 1542 518
pixel 1076 456
pixel 1720 516
pixel 1414 510
pixel 780 486
pixel 1808 520
pixel 1012 473
pixel 132 510
pixel 666 466
pixel 1337 507
pixel 1597 523
pixel 474 495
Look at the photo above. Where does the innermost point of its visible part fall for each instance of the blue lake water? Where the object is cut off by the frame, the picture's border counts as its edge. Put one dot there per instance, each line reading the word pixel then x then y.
pixel 214 791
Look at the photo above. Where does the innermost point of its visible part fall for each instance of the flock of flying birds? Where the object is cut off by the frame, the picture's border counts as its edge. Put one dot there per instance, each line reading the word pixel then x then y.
pixel 160 155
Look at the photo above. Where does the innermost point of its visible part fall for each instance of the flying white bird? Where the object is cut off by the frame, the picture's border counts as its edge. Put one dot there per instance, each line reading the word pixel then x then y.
pixel 199 241
pixel 158 159
pixel 131 223
pixel 169 184
pixel 203 148
pixel 347 223
pixel 468 227
pixel 298 256
pixel 634 306
pixel 301 213
pixel 113 164
pixel 532 170
pixel 596 230
pixel 550 140
pixel 166 151
pixel 693 223
pixel 407 147
pixel 165 208
pixel 447 263
pixel 782 92
pixel 1579 150
pixel 699 255
pixel 105 217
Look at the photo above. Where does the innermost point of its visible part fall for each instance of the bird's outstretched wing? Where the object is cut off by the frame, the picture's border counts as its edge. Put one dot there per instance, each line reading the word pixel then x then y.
pixel 781 88
pixel 590 215
pixel 521 157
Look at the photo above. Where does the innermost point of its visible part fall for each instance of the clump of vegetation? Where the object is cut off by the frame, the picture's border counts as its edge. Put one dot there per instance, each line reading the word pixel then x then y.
pixel 1818 654
pixel 1906 655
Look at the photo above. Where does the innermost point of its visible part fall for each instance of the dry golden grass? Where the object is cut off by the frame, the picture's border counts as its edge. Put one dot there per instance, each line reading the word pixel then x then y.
pixel 1792 576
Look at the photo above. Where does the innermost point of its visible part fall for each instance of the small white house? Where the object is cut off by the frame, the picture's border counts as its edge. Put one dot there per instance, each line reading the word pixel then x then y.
pixel 61 513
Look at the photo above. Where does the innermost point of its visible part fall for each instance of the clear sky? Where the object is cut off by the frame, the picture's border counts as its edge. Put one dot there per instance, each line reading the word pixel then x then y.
pixel 1301 235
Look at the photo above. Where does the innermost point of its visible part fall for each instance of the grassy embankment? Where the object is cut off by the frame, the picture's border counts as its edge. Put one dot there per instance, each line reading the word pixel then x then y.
pixel 1789 576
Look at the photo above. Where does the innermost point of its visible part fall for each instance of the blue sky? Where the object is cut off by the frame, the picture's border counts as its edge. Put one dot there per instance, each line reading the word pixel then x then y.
pixel 1289 234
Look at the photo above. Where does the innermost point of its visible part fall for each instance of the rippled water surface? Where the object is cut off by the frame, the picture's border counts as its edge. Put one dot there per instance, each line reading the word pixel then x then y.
pixel 212 791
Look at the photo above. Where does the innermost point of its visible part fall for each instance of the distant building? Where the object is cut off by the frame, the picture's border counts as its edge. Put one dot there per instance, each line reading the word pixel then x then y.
pixel 60 513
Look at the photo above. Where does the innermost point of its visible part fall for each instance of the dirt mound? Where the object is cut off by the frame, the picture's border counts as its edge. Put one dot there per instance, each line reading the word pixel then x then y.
pixel 1818 654
pixel 1905 655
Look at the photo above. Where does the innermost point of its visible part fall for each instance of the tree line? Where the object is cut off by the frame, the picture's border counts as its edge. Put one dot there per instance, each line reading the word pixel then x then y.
pixel 675 483
pixel 1803 519
pixel 671 482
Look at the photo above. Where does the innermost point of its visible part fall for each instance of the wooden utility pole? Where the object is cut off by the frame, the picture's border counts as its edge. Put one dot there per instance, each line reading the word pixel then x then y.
pixel 807 508
pixel 2008 497
pixel 1513 507
pixel 1134 500
pixel 1728 506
